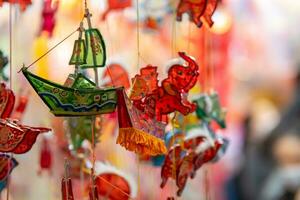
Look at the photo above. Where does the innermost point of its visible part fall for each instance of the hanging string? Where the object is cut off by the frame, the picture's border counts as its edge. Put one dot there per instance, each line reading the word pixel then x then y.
pixel 189 38
pixel 205 63
pixel 10 85
pixel 174 167
pixel 138 65
pixel 138 32
pixel 93 154
pixel 211 51
pixel 10 44
pixel 173 40
pixel 111 41
pixel 47 52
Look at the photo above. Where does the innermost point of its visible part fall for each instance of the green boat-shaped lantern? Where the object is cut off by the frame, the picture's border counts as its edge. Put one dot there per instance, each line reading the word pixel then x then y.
pixel 79 96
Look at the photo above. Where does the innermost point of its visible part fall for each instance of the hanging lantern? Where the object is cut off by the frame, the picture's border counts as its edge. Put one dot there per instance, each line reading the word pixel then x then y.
pixel 7 164
pixel 22 3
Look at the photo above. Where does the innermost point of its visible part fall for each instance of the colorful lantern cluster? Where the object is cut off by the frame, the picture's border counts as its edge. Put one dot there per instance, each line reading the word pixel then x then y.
pixel 201 145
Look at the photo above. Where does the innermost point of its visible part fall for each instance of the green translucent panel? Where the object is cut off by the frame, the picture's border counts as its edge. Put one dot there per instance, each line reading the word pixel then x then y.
pixel 80 129
pixel 79 53
pixel 209 108
pixel 96 53
pixel 83 82
pixel 66 101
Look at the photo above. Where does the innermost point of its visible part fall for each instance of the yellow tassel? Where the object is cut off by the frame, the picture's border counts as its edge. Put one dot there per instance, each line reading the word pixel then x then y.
pixel 141 142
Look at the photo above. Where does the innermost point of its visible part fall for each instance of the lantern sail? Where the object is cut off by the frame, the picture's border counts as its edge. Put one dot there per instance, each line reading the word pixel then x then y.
pixel 79 53
pixel 95 48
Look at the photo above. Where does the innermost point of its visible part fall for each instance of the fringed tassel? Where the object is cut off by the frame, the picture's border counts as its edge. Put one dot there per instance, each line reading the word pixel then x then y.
pixel 141 142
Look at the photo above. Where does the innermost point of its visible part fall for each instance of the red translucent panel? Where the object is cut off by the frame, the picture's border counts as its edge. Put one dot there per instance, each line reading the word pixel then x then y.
pixel 7 101
pixel 199 11
pixel 7 164
pixel 113 186
pixel 23 3
pixel 20 108
pixel 117 76
pixel 116 5
pixel 93 193
pixel 67 189
pixel 182 161
pixel 46 155
pixel 209 11
pixel 18 138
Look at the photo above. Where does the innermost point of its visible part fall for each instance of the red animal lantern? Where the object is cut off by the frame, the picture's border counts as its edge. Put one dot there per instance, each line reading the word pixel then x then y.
pixel 182 161
pixel 199 11
pixel 158 101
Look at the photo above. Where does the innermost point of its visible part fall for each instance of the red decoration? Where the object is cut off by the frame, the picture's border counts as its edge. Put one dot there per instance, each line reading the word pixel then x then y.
pixel 182 161
pixel 179 163
pixel 7 101
pixel 112 186
pixel 198 10
pixel 117 75
pixel 138 132
pixel 23 3
pixel 93 193
pixel 48 16
pixel 7 164
pixel 17 138
pixel 45 156
pixel 116 5
pixel 209 11
pixel 66 184
pixel 158 101
pixel 206 156
pixel 19 110
pixel 67 189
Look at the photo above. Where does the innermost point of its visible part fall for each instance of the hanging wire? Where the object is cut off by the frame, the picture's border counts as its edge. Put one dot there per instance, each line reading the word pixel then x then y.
pixel 93 156
pixel 138 66
pixel 138 32
pixel 189 38
pixel 10 83
pixel 47 52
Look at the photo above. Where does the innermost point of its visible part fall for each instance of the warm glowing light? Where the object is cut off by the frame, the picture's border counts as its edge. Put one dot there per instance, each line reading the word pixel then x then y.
pixel 222 21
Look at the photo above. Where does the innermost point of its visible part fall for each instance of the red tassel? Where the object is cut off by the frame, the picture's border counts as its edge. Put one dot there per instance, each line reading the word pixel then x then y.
pixel 67 189
pixel 94 193
pixel 66 185
pixel 45 157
